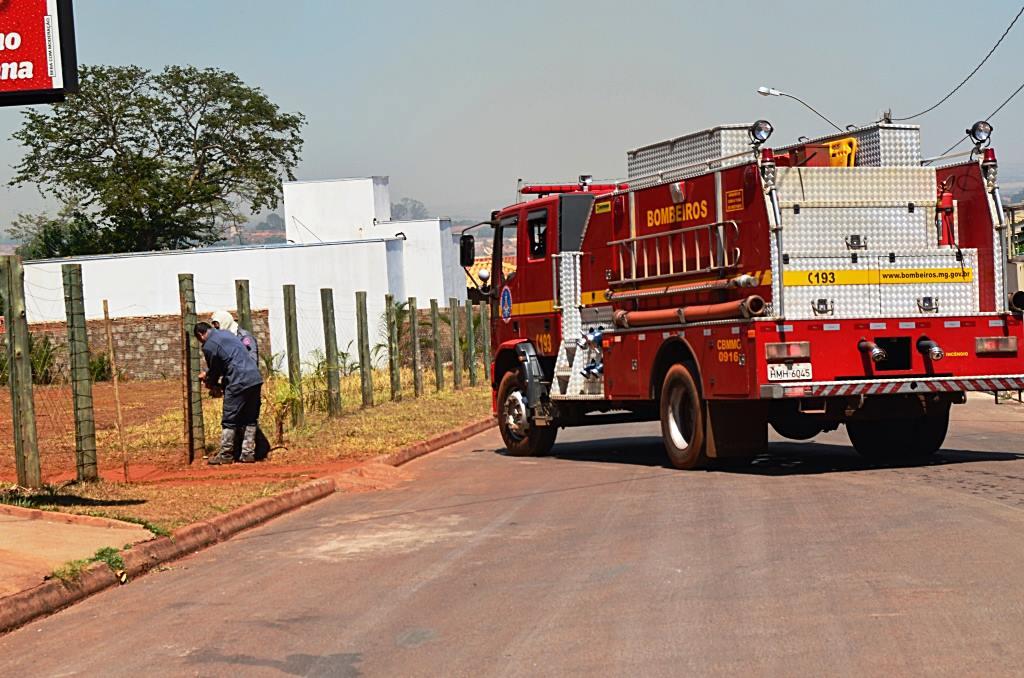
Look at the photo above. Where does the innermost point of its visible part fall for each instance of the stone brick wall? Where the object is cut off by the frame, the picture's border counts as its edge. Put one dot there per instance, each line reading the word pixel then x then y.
pixel 147 347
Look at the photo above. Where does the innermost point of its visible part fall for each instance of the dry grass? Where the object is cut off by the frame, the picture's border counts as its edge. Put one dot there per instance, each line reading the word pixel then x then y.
pixel 160 507
pixel 384 428
pixel 357 434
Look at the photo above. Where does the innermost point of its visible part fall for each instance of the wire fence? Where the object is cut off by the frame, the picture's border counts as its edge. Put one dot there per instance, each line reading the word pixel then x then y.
pixel 146 415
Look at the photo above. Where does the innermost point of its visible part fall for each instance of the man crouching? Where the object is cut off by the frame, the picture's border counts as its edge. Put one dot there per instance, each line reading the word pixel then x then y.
pixel 229 367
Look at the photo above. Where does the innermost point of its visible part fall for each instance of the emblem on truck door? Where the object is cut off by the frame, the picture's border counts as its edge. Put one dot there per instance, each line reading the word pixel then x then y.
pixel 506 304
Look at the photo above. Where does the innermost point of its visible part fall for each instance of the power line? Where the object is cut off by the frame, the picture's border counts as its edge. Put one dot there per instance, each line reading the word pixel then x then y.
pixel 990 116
pixel 969 76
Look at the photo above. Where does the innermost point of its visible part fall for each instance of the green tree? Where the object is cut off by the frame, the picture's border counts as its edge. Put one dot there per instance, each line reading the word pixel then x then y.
pixel 408 208
pixel 42 236
pixel 153 161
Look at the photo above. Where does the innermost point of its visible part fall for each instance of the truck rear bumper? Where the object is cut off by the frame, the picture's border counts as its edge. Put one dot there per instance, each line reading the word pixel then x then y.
pixel 878 387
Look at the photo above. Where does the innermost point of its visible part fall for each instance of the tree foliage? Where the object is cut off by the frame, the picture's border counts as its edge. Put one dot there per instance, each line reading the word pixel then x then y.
pixel 153 161
pixel 408 208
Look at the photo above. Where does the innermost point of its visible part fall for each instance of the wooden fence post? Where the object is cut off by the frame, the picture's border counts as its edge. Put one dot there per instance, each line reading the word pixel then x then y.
pixel 331 349
pixel 453 313
pixel 242 305
pixel 365 365
pixel 81 381
pixel 414 342
pixel 471 342
pixel 19 375
pixel 485 329
pixel 291 332
pixel 435 323
pixel 195 434
pixel 394 364
pixel 117 388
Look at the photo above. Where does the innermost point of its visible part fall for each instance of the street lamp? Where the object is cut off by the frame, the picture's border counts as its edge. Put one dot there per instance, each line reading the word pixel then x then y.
pixel 772 92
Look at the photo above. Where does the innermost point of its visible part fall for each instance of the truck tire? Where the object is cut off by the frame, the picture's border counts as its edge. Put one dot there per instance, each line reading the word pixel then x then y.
pixel 797 427
pixel 682 419
pixel 896 439
pixel 522 438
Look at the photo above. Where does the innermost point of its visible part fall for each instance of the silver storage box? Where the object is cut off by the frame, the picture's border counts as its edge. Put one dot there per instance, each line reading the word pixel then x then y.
pixel 690 149
pixel 878 145
pixel 836 210
pixel 882 285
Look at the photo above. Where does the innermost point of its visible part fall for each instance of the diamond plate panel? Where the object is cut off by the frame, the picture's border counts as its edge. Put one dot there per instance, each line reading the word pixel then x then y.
pixel 951 298
pixel 899 145
pixel 856 186
pixel 569 381
pixel 825 231
pixel 698 147
pixel 845 301
pixel 883 299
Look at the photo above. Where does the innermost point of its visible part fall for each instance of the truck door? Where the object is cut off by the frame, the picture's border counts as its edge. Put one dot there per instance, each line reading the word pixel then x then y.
pixel 533 300
pixel 506 279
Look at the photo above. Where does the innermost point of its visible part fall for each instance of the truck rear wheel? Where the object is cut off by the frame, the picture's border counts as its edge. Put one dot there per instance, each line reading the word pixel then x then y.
pixel 912 438
pixel 682 419
pixel 521 436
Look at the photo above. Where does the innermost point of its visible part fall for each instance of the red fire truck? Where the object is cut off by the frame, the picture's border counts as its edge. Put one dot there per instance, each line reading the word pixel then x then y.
pixel 726 285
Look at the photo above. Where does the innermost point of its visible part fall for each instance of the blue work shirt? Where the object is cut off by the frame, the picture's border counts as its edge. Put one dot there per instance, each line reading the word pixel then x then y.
pixel 228 359
pixel 249 342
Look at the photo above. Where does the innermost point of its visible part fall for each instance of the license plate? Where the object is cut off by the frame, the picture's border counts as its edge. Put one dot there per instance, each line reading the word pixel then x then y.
pixel 789 372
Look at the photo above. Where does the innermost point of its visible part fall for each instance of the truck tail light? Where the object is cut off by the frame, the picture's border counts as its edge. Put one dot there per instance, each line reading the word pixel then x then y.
pixel 990 345
pixel 787 350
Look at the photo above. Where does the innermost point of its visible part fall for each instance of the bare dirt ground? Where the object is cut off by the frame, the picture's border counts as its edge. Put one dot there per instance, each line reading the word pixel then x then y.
pixel 154 433
pixel 141 402
pixel 163 489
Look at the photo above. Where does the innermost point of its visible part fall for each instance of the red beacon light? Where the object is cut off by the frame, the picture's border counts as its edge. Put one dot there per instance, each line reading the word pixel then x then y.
pixel 581 187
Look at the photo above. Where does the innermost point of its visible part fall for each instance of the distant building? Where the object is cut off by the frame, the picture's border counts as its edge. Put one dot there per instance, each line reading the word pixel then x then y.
pixel 359 209
pixel 340 237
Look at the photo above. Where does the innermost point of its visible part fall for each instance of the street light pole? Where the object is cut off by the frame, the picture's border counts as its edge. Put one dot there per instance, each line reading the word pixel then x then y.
pixel 771 91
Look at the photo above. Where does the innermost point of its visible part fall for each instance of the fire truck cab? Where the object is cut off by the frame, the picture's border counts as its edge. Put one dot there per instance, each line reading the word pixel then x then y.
pixel 726 286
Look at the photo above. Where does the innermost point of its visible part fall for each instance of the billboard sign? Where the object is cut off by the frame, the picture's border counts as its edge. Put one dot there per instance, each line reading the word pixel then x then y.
pixel 38 63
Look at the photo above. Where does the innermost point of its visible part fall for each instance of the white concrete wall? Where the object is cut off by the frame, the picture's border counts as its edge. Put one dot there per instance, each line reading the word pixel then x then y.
pixel 147 284
pixel 333 210
pixel 432 268
pixel 381 199
pixel 355 209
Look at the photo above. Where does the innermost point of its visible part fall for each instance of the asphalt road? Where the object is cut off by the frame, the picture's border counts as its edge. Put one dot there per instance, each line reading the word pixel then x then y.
pixel 597 561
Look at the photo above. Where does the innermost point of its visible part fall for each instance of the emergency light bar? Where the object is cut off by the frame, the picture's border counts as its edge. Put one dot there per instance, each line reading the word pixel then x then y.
pixel 544 189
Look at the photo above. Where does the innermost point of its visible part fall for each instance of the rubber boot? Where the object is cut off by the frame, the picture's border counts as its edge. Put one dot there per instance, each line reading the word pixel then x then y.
pixel 227 448
pixel 248 445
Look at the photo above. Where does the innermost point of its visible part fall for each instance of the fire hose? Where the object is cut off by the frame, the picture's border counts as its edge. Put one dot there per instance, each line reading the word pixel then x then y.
pixel 750 307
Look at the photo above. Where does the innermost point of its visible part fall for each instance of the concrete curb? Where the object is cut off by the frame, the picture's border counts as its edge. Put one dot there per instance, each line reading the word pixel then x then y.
pixel 67 518
pixel 52 595
pixel 407 454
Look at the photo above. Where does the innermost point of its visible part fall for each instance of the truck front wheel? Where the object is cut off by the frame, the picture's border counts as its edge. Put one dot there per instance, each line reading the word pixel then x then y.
pixel 682 419
pixel 522 437
pixel 912 438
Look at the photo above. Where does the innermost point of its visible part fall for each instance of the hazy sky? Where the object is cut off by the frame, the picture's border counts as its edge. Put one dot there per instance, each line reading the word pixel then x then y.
pixel 456 99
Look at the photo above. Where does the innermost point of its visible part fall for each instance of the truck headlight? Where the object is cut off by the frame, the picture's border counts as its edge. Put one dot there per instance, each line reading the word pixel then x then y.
pixel 760 131
pixel 980 131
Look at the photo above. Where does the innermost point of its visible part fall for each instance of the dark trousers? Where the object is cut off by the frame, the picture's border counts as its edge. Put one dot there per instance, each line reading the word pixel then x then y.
pixel 241 408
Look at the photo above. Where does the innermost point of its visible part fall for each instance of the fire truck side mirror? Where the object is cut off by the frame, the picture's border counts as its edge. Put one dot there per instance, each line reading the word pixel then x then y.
pixel 467 250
